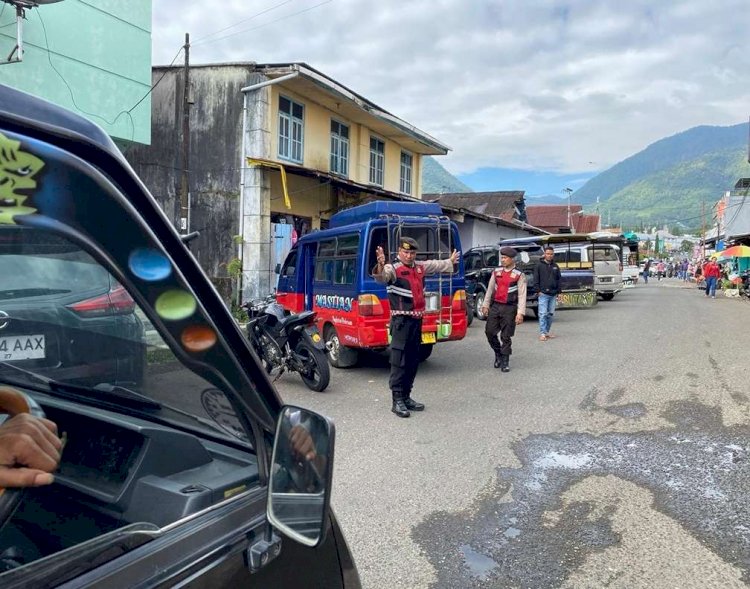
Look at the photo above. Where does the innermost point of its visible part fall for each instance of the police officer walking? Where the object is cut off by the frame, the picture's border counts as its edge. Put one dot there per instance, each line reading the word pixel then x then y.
pixel 504 305
pixel 405 286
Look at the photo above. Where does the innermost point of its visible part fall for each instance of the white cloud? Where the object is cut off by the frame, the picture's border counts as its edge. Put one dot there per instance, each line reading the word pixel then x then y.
pixel 531 84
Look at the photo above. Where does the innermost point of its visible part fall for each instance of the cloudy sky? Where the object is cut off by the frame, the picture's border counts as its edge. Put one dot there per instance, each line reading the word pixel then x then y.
pixel 530 94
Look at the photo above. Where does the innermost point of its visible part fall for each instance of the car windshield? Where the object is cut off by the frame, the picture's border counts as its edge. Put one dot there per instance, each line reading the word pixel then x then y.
pixel 67 325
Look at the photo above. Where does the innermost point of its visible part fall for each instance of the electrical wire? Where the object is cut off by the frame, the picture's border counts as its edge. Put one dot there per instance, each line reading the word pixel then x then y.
pixel 199 39
pixel 91 114
pixel 266 24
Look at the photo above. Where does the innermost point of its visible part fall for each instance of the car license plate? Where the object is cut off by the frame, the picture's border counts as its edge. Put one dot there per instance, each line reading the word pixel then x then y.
pixel 606 279
pixel 22 347
pixel 429 337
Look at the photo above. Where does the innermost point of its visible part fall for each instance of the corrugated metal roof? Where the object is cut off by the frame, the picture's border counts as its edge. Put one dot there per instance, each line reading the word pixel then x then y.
pixel 550 216
pixel 506 204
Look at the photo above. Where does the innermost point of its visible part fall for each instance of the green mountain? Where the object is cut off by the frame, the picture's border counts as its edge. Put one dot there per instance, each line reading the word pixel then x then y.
pixel 435 178
pixel 669 180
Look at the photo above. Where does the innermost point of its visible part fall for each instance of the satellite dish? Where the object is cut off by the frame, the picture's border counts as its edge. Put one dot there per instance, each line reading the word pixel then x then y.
pixel 16 54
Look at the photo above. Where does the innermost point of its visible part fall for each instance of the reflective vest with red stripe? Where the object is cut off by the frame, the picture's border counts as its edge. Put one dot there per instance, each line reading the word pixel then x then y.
pixel 506 286
pixel 406 292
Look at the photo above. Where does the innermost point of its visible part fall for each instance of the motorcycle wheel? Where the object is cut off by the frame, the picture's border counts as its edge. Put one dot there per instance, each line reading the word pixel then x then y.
pixel 319 375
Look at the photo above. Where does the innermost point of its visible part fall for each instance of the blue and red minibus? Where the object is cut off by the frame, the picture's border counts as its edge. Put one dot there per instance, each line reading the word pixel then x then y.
pixel 330 272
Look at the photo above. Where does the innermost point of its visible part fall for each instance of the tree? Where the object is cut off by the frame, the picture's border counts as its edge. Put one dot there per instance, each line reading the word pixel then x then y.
pixel 686 246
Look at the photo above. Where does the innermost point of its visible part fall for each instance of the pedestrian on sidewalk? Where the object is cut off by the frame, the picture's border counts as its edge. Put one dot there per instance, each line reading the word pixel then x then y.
pixel 711 272
pixel 547 278
pixel 504 306
pixel 405 286
pixel 646 270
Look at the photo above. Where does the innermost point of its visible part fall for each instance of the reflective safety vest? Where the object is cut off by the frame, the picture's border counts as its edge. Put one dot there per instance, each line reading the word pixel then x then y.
pixel 406 292
pixel 506 286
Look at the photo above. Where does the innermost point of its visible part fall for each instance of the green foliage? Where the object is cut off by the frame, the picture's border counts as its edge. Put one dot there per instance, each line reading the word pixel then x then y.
pixel 677 193
pixel 237 239
pixel 664 154
pixel 234 268
pixel 686 246
pixel 435 178
pixel 238 313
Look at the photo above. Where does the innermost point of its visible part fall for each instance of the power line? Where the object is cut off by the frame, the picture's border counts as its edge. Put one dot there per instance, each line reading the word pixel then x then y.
pixel 266 24
pixel 72 96
pixel 199 39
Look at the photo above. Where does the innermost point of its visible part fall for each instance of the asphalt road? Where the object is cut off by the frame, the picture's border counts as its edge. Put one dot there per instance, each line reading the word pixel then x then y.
pixel 616 455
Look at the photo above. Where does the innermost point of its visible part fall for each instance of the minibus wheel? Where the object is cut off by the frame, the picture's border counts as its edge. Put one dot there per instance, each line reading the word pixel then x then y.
pixel 339 356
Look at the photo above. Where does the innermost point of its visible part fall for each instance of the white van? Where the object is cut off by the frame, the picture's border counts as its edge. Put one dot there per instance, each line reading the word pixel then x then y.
pixel 605 259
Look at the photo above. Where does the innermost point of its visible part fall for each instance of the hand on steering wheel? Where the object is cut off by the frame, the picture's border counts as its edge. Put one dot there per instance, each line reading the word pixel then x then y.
pixel 29 449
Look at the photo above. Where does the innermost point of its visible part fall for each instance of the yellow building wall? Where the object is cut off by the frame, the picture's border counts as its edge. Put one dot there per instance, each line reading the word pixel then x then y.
pixel 309 198
pixel 317 144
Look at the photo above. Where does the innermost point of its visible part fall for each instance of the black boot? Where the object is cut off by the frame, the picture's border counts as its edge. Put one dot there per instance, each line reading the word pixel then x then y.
pixel 504 360
pixel 399 408
pixel 498 360
pixel 413 405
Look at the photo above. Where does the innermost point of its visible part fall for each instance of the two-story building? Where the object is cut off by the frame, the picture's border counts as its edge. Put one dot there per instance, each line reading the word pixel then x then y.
pixel 275 150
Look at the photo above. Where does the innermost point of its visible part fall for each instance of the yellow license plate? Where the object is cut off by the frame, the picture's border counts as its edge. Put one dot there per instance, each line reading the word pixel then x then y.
pixel 429 337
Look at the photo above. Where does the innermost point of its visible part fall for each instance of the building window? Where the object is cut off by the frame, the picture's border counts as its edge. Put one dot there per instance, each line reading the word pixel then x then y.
pixel 291 125
pixel 339 148
pixel 377 161
pixel 406 167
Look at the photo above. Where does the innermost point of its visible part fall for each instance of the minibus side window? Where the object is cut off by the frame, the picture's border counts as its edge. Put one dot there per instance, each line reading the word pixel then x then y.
pixel 378 237
pixel 324 260
pixel 345 264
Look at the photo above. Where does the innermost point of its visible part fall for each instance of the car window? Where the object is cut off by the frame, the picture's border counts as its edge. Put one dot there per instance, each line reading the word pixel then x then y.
pixel 149 441
pixel 472 261
pixel 290 264
pixel 605 254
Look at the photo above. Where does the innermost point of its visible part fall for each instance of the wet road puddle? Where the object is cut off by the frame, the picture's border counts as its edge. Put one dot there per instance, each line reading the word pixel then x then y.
pixel 536 529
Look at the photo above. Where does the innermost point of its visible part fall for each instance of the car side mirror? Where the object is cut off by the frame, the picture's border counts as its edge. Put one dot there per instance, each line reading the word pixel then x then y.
pixel 277 270
pixel 301 470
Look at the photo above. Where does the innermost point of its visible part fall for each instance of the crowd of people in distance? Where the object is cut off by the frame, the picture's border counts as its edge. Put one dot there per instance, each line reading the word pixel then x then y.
pixel 708 274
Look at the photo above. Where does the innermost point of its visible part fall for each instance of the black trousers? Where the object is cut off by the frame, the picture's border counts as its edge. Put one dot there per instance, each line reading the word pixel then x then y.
pixel 502 320
pixel 406 337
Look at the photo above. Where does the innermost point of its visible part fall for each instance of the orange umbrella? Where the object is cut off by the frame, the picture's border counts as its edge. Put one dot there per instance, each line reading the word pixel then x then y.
pixel 736 251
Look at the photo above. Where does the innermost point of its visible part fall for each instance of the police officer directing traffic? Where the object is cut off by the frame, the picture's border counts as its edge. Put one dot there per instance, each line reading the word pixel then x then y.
pixel 405 286
pixel 504 305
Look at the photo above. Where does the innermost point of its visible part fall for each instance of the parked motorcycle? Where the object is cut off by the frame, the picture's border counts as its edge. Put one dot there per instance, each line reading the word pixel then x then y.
pixel 288 342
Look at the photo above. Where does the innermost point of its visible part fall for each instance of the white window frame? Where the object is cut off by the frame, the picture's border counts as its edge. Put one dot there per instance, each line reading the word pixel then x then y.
pixel 291 132
pixel 377 162
pixel 340 149
pixel 407 173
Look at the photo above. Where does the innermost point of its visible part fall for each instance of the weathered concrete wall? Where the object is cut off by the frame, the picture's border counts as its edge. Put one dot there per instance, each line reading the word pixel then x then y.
pixel 215 129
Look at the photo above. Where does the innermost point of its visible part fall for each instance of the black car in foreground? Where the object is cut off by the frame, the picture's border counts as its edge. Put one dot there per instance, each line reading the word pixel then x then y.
pixel 181 465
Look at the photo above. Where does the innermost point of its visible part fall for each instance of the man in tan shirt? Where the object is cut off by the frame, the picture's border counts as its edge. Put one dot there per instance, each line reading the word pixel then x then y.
pixel 405 286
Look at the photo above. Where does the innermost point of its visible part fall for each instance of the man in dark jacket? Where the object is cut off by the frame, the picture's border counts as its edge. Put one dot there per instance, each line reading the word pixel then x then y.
pixel 547 279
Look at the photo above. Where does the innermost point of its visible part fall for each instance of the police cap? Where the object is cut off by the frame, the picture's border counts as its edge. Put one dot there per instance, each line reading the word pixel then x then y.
pixel 409 244
pixel 508 251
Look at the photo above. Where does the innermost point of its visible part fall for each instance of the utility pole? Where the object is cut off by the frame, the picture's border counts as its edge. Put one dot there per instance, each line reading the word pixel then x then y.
pixel 568 191
pixel 703 230
pixel 185 176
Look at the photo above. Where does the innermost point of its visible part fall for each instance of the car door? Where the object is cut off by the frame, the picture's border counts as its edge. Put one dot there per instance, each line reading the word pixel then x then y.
pixel 67 179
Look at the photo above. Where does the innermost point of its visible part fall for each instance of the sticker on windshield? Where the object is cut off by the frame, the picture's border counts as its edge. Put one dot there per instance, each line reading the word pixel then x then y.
pixel 149 264
pixel 17 171
pixel 198 338
pixel 174 305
